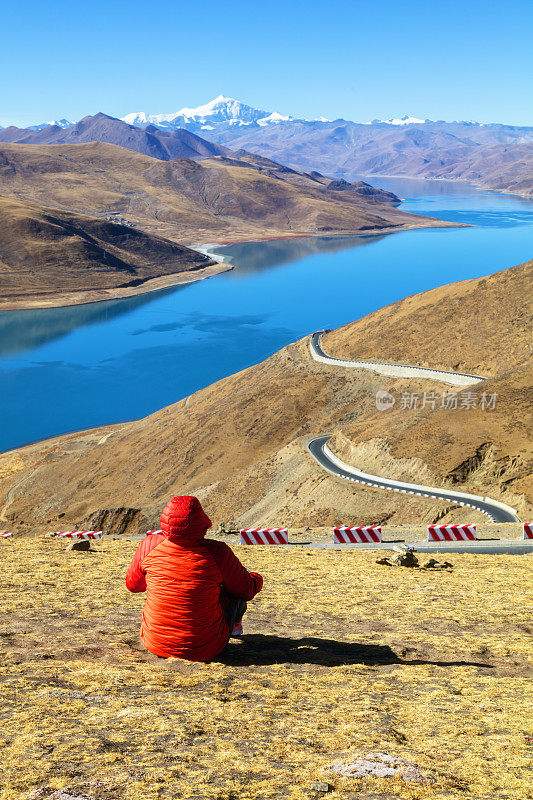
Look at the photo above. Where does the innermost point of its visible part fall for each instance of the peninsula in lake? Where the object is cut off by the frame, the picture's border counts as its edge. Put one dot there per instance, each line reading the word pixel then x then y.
pixel 93 221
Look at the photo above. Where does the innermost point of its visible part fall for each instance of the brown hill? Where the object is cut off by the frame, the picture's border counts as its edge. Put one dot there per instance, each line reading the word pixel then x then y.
pixel 151 141
pixel 183 200
pixel 476 318
pixel 189 201
pixel 240 444
pixel 56 257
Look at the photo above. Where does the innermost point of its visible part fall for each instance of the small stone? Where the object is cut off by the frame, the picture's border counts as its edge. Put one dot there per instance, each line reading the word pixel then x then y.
pixel 385 561
pixel 432 563
pixel 405 558
pixel 322 787
pixel 80 544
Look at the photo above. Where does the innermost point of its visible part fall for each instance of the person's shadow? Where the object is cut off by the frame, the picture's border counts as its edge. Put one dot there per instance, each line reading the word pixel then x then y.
pixel 260 649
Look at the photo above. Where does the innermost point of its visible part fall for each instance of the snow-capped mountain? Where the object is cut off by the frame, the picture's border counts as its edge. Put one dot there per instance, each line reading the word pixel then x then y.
pixel 221 110
pixel 408 120
pixel 60 123
pixel 405 120
pixel 224 114
pixel 273 119
pixel 227 112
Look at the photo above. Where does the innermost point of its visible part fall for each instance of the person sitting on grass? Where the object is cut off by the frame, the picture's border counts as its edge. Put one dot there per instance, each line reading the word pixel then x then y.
pixel 196 588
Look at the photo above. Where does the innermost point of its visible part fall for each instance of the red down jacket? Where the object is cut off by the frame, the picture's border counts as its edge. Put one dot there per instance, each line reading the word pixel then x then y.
pixel 182 574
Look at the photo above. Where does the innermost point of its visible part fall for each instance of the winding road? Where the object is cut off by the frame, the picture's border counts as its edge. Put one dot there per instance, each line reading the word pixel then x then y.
pixel 392 370
pixel 318 445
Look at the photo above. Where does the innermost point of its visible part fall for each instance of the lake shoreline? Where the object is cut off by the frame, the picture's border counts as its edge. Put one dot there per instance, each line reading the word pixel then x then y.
pixel 62 300
pixel 206 249
pixel 71 365
pixel 480 187
pixel 117 293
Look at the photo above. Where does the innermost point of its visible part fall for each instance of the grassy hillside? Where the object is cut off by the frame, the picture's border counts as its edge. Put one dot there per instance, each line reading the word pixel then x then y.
pixel 52 256
pixel 240 444
pixel 215 199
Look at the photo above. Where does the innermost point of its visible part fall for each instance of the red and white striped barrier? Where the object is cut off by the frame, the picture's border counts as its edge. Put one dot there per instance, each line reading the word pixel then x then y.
pixel 153 533
pixel 528 530
pixel 265 536
pixel 451 533
pixel 5 534
pixel 358 534
pixel 81 534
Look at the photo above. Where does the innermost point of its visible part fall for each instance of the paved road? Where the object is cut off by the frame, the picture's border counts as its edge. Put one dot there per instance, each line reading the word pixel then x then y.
pixel 392 370
pixel 497 512
pixel 321 453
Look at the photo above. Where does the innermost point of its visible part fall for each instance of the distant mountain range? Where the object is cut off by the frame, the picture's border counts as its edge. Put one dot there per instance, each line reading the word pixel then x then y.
pixel 492 155
pixel 489 156
pixel 226 111
pixel 162 144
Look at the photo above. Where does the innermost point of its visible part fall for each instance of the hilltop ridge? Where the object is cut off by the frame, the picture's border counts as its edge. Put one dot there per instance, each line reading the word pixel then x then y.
pixel 163 145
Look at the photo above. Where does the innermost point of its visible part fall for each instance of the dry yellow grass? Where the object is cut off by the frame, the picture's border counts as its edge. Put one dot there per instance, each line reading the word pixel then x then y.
pixel 341 656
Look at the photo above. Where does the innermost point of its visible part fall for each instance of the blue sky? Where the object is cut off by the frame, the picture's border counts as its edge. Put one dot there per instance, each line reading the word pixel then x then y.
pixel 442 59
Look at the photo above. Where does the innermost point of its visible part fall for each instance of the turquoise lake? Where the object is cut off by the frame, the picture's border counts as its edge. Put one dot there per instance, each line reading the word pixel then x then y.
pixel 72 368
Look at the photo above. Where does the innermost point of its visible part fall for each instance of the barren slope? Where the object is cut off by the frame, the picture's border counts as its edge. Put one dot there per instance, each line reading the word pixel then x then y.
pixel 474 326
pixel 54 257
pixel 218 198
pixel 240 444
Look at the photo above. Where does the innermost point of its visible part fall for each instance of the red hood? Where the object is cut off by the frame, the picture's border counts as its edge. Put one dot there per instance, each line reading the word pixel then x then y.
pixel 184 521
